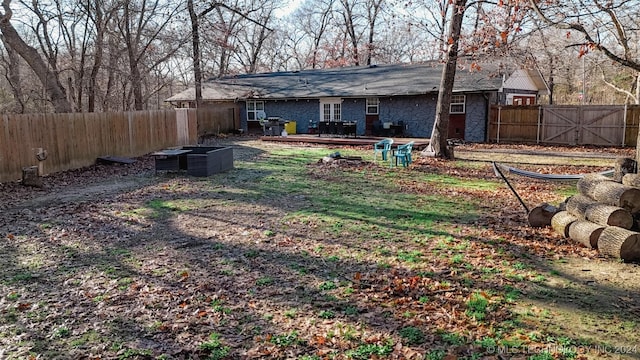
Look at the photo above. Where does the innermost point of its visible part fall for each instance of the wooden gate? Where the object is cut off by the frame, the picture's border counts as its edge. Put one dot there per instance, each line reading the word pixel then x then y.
pixel 583 125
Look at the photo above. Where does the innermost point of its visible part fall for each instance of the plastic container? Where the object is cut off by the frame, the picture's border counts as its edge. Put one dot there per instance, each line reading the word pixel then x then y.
pixel 290 127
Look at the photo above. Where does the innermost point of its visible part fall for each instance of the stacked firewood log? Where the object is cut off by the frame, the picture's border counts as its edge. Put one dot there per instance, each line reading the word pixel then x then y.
pixel 604 215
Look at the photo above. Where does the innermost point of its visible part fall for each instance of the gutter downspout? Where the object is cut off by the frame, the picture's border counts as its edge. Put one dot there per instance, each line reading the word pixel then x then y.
pixel 487 106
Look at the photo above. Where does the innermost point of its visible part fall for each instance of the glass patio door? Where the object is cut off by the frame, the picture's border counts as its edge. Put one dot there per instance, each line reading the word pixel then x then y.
pixel 330 110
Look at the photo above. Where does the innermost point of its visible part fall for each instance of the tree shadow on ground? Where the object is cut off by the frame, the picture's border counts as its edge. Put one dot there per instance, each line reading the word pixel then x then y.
pixel 201 269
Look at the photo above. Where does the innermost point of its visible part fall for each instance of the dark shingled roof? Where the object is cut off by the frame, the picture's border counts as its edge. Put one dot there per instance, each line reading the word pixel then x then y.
pixel 361 81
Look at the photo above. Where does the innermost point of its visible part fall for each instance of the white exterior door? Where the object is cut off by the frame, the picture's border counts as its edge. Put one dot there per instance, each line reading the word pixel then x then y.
pixel 331 109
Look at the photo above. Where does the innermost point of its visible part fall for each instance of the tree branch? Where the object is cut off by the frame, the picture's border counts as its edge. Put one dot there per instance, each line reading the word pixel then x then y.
pixel 635 65
pixel 616 88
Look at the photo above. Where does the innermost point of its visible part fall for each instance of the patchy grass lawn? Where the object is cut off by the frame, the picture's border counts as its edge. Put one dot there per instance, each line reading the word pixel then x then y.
pixel 286 257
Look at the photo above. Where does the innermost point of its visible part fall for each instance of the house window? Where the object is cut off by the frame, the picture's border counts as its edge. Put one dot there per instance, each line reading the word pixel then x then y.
pixel 326 112
pixel 330 109
pixel 457 104
pixel 521 100
pixel 253 108
pixel 373 106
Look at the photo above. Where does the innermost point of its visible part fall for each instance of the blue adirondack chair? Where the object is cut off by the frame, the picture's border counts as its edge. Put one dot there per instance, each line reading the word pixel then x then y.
pixel 402 153
pixel 383 147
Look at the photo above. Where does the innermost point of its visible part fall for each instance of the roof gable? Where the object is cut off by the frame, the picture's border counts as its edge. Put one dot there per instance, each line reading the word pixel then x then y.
pixel 526 79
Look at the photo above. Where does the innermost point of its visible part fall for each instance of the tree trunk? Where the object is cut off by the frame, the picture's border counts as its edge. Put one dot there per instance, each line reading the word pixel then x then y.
pixel 577 205
pixel 606 191
pixel 98 51
pixel 620 243
pixel 48 78
pixel 584 207
pixel 14 79
pixel 586 233
pixel 195 40
pixel 438 142
pixel 31 176
pixel 540 216
pixel 561 221
pixel 350 29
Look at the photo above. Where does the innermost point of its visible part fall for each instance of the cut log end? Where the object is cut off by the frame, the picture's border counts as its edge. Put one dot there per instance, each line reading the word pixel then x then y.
pixel 586 233
pixel 561 221
pixel 609 215
pixel 541 215
pixel 606 191
pixel 620 243
pixel 630 250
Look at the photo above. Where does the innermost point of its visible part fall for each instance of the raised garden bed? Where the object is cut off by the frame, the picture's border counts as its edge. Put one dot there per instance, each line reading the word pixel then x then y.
pixel 208 160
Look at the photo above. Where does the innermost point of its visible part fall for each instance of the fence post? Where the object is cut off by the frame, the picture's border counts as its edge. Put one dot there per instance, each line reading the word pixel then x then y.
pixel 182 124
pixel 539 124
pixel 624 128
pixel 132 142
pixel 498 129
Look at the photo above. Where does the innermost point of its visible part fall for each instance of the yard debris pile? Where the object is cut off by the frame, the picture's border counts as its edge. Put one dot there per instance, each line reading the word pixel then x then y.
pixel 338 160
pixel 604 215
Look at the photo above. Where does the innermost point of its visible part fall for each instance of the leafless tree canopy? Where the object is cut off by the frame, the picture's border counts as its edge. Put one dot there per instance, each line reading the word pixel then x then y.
pixel 104 55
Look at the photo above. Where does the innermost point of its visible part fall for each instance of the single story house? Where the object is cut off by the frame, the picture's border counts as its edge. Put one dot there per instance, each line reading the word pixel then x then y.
pixel 368 96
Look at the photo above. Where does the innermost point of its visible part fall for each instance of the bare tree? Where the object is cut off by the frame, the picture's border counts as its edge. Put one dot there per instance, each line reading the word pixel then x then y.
pixel 100 14
pixel 438 143
pixel 224 27
pixel 13 74
pixel 142 26
pixel 606 26
pixel 351 17
pixel 237 14
pixel 430 17
pixel 624 81
pixel 374 9
pixel 403 43
pixel 315 18
pixel 48 76
pixel 253 34
pixel 505 20
pixel 195 16
pixel 290 48
pixel 609 27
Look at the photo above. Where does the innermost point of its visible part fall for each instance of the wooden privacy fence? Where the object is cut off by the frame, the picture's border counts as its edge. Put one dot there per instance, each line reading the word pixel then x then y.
pixel 75 140
pixel 606 125
pixel 218 119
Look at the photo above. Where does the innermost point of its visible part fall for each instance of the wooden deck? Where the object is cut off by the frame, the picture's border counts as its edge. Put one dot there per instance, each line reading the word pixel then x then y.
pixel 419 143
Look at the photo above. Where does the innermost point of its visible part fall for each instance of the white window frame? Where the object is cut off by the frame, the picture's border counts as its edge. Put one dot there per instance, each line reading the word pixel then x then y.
pixel 253 106
pixel 331 109
pixel 373 106
pixel 458 104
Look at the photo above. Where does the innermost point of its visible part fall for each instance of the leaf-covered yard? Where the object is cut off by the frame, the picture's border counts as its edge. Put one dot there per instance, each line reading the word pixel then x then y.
pixel 286 257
